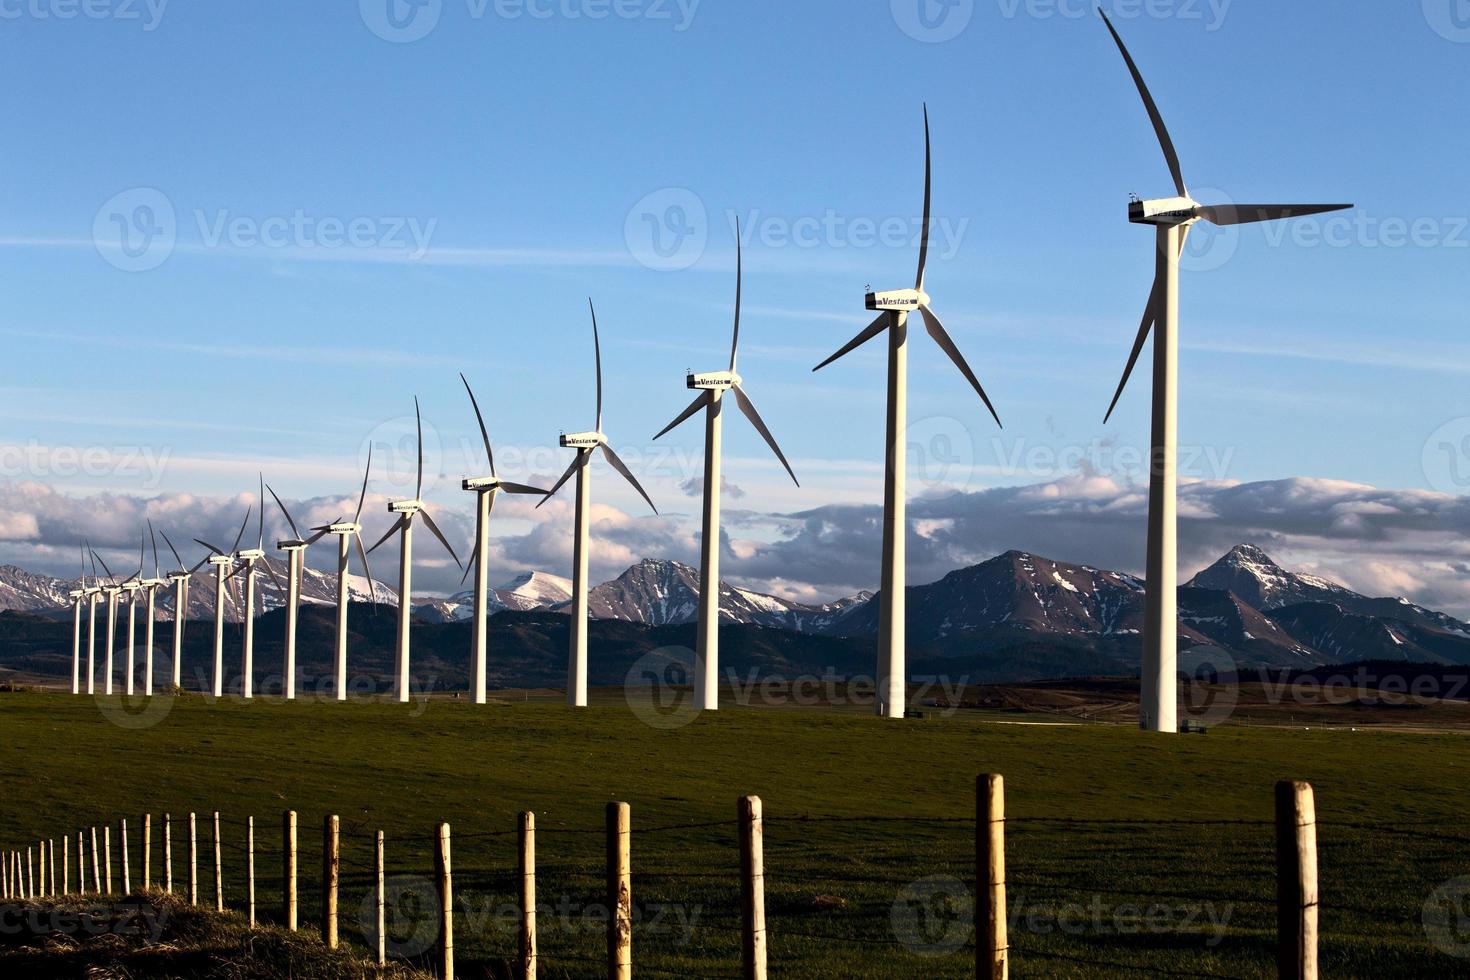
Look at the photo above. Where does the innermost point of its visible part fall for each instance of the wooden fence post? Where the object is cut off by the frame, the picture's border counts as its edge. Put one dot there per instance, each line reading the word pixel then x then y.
pixel 250 866
pixel 619 892
pixel 81 864
pixel 107 855
pixel 753 887
pixel 51 869
pixel 1296 881
pixel 168 854
pixel 219 871
pixel 992 945
pixel 41 869
pixel 288 870
pixel 30 887
pixel 331 869
pixel 5 875
pixel 147 851
pixel 528 896
pixel 122 838
pixel 382 939
pixel 193 859
pixel 444 869
pixel 66 864
pixel 96 872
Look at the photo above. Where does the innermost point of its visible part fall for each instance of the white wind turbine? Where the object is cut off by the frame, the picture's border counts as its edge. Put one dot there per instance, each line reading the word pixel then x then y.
pixel 295 549
pixel 77 595
pixel 1172 218
pixel 132 587
pixel 245 562
pixel 151 587
pixel 223 564
pixel 111 590
pixel 586 443
pixel 485 489
pixel 180 579
pixel 712 388
pixel 93 593
pixel 347 533
pixel 407 510
pixel 897 305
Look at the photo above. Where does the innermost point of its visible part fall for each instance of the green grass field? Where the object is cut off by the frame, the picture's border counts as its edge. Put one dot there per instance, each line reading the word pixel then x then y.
pixel 1128 854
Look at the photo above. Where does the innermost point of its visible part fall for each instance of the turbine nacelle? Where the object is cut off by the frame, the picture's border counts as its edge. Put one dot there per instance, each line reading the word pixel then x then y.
pixel 251 555
pixel 221 561
pixel 409 507
pixel 292 545
pixel 582 440
pixel 713 381
pixel 480 484
pixel 178 576
pixel 898 300
pixel 1164 211
pixel 345 527
pixel 152 583
pixel 76 593
pixel 92 590
pixel 130 587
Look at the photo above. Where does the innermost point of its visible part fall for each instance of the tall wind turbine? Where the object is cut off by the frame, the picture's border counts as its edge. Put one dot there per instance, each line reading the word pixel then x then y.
pixel 586 443
pixel 347 533
pixel 111 590
pixel 1172 218
pixel 407 510
pixel 223 563
pixel 896 306
pixel 94 593
pixel 77 596
pixel 151 587
pixel 132 586
pixel 712 388
pixel 295 549
pixel 180 579
pixel 485 489
pixel 245 562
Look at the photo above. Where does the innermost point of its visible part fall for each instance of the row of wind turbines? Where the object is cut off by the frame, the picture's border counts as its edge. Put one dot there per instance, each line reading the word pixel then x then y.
pixel 1172 218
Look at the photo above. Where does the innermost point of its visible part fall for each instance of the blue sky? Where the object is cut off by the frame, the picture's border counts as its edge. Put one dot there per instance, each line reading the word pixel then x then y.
pixel 525 150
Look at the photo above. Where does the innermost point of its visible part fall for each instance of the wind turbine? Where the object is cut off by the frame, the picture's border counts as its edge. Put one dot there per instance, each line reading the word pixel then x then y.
pixel 223 563
pixel 77 595
pixel 180 579
pixel 346 533
pixel 585 443
pixel 92 591
pixel 407 510
pixel 712 388
pixel 1172 218
pixel 295 549
pixel 896 306
pixel 245 564
pixel 485 489
pixel 151 586
pixel 111 590
pixel 132 587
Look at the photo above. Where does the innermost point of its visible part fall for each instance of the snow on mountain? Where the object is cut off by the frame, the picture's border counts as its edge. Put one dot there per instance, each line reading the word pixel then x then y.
pixel 24 591
pixel 534 590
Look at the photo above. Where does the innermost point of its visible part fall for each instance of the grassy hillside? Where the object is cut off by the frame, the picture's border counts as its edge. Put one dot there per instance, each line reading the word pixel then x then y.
pixel 1150 854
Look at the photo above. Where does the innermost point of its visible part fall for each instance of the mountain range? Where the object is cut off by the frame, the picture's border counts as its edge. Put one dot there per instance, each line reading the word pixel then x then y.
pixel 1032 616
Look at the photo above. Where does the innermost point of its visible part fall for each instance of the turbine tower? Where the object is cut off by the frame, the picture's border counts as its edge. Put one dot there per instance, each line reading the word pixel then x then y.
pixel 1172 218
pixel 111 590
pixel 223 563
pixel 485 489
pixel 151 587
pixel 295 549
pixel 712 388
pixel 77 595
pixel 94 592
pixel 585 443
pixel 407 510
pixel 896 306
pixel 132 587
pixel 180 579
pixel 245 562
pixel 348 532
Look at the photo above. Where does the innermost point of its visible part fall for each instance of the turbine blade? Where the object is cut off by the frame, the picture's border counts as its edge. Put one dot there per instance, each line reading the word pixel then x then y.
pixel 521 488
pixel 1165 142
pixel 564 478
pixel 362 554
pixel 390 532
pixel 947 344
pixel 246 521
pixel 869 332
pixel 202 562
pixel 210 547
pixel 154 535
pixel 289 521
pixel 418 490
pixel 699 402
pixel 739 277
pixel 260 517
pixel 475 551
pixel 928 200
pixel 622 468
pixel 280 586
pixel 1244 214
pixel 142 551
pixel 1149 312
pixel 173 549
pixel 748 407
pixel 597 353
pixel 320 533
pixel 363 496
pixel 429 520
pixel 490 453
